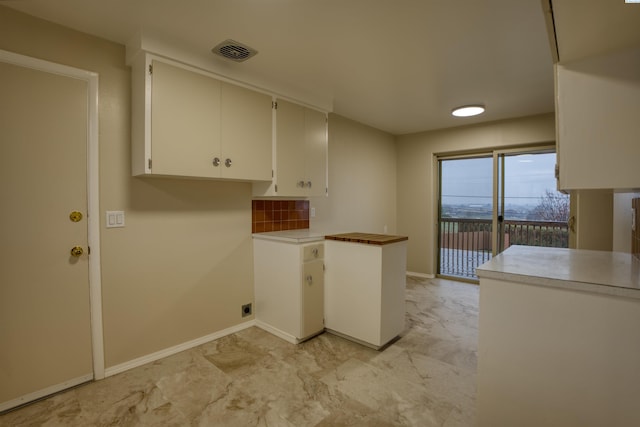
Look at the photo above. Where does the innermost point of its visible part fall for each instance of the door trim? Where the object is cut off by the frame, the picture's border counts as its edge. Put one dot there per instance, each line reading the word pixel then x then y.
pixel 93 193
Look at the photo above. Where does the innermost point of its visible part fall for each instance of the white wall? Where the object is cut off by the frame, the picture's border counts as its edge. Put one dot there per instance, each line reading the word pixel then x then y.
pixel 182 266
pixel 362 180
pixel 593 211
pixel 622 221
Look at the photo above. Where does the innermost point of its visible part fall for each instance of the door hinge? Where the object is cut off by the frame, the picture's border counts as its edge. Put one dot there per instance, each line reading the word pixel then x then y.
pixel 276 187
pixel 149 163
pixel 150 68
pixel 89 250
pixel 271 173
pixel 274 105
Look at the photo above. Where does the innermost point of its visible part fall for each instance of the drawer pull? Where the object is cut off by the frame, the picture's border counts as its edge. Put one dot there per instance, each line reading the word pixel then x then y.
pixel 309 279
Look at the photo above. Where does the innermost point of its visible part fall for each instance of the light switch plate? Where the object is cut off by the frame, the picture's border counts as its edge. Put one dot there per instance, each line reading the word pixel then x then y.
pixel 115 219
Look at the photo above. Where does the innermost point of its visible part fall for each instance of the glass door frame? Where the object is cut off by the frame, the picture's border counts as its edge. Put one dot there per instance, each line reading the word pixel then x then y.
pixel 498 155
pixel 438 158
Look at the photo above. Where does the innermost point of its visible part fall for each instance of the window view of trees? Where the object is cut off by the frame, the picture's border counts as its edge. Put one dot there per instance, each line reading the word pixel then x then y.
pixel 553 206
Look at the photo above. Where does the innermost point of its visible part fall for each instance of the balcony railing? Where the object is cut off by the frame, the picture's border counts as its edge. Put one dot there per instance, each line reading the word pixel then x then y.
pixel 466 243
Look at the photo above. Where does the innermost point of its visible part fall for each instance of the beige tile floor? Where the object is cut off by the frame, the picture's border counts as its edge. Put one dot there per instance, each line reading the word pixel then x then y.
pixel 251 378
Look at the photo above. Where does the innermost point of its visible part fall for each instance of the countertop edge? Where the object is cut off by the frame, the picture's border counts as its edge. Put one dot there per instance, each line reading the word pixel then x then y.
pixel 367 238
pixel 571 285
pixel 601 272
pixel 292 240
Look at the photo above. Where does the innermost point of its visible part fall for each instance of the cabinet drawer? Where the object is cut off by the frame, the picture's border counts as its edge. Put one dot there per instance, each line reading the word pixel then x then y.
pixel 311 252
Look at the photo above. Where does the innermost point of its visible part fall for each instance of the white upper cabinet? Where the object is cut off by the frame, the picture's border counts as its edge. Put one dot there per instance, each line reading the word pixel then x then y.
pixel 598 122
pixel 246 133
pixel 316 142
pixel 301 144
pixel 290 149
pixel 187 123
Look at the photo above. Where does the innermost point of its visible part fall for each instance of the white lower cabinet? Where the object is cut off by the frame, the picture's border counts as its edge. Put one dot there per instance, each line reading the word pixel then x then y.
pixel 289 288
pixel 365 291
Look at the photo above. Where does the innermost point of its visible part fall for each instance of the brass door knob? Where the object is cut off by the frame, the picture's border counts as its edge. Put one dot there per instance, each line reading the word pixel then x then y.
pixel 76 251
pixel 75 216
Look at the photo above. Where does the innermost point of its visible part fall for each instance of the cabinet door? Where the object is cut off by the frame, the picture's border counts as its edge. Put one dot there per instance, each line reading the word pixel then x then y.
pixel 597 105
pixel 185 122
pixel 290 149
pixel 315 124
pixel 246 134
pixel 312 298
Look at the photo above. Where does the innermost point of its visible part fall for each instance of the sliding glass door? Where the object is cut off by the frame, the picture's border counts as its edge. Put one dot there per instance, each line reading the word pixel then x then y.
pixel 531 211
pixel 491 201
pixel 465 214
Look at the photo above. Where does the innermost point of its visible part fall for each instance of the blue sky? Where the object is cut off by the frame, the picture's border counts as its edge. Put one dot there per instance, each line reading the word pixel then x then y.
pixel 470 181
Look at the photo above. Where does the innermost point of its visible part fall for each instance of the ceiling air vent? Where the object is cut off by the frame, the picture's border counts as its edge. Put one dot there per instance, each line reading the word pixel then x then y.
pixel 234 50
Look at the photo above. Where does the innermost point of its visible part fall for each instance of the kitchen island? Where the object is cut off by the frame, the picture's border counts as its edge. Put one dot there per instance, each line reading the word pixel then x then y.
pixel 558 338
pixel 365 287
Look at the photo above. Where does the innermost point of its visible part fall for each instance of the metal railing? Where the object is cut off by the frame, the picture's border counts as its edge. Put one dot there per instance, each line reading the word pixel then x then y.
pixel 467 243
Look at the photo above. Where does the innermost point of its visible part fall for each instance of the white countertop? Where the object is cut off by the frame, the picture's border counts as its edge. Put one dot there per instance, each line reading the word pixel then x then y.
pixel 292 236
pixel 611 273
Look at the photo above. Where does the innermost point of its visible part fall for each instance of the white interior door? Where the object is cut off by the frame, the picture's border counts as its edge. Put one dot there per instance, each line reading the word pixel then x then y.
pixel 45 319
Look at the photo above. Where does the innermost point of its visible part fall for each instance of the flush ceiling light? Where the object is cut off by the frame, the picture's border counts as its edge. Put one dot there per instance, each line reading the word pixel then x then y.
pixel 468 110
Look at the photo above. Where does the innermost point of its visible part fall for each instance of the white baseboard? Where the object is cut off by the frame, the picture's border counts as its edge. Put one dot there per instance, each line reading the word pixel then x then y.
pixel 421 275
pixel 44 392
pixel 277 332
pixel 113 370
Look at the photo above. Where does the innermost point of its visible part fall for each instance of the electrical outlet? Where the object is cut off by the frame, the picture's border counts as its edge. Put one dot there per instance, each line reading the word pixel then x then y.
pixel 246 310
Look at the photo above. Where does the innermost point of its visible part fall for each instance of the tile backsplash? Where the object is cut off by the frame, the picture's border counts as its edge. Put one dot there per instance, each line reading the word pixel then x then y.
pixel 278 215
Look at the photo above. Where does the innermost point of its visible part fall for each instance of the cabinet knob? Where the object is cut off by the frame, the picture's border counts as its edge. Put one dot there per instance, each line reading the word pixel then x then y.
pixel 309 279
pixel 301 184
pixel 309 184
pixel 315 252
pixel 216 161
pixel 227 163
